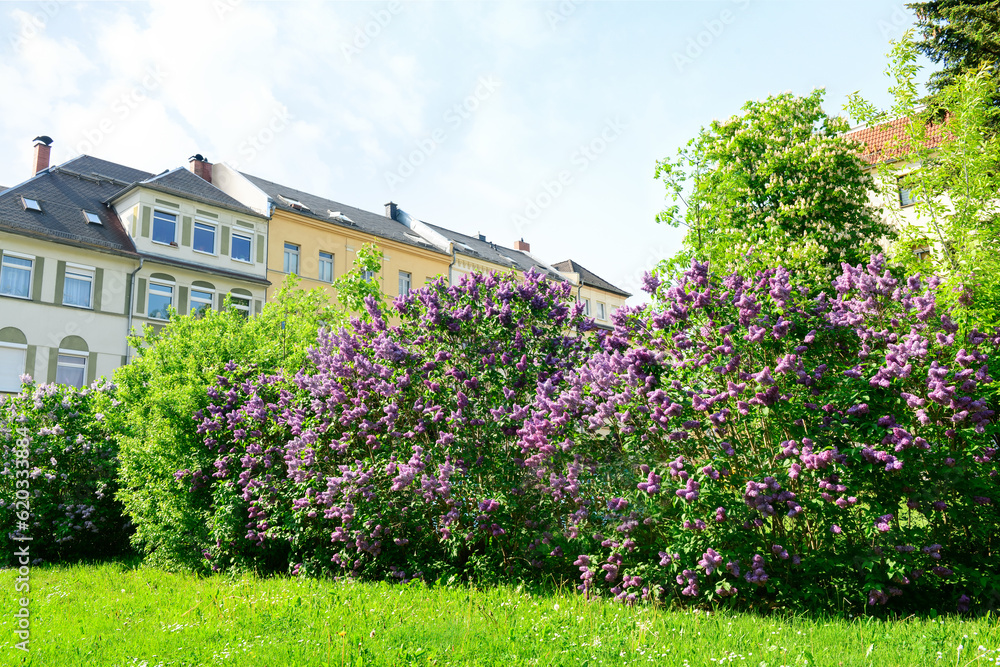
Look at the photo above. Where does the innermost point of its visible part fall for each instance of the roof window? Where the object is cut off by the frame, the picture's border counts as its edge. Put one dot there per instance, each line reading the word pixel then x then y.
pixel 31 204
pixel 92 218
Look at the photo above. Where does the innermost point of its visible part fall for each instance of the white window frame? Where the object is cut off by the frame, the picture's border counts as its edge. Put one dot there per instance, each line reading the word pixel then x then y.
pixel 24 360
pixel 30 270
pixel 80 271
pixel 149 295
pixel 210 302
pixel 152 228
pixel 329 259
pixel 236 301
pixel 586 307
pixel 75 354
pixel 215 237
pixel 409 282
pixel 232 241
pixel 292 250
pixel 602 311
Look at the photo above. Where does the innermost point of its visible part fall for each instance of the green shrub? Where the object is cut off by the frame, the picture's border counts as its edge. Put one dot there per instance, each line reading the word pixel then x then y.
pixel 59 480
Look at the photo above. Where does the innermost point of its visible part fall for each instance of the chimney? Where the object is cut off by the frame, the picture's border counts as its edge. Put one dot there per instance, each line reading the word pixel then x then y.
pixel 390 210
pixel 43 148
pixel 522 246
pixel 199 166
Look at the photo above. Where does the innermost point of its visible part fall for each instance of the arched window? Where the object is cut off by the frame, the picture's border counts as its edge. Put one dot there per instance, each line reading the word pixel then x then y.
pixel 13 359
pixel 71 362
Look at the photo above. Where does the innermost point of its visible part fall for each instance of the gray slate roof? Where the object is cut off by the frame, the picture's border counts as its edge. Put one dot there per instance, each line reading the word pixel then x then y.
pixel 589 278
pixel 472 246
pixel 64 193
pixel 180 182
pixel 319 208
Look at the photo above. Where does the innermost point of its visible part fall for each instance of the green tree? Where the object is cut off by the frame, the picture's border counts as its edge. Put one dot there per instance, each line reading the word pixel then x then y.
pixel 951 165
pixel 962 35
pixel 776 185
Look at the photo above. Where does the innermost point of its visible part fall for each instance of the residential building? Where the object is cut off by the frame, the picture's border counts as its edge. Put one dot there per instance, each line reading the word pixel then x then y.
pixel 882 144
pixel 600 297
pixel 90 250
pixel 65 267
pixel 197 244
pixel 316 238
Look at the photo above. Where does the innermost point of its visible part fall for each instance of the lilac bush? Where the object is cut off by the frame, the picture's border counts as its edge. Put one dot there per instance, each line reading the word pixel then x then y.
pixel 61 495
pixel 785 450
pixel 739 440
pixel 393 453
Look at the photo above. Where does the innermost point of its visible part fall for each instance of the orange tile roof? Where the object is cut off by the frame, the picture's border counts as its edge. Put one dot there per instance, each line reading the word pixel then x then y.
pixel 885 141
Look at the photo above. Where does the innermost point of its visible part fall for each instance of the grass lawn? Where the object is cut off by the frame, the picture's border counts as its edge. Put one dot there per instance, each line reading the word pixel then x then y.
pixel 111 615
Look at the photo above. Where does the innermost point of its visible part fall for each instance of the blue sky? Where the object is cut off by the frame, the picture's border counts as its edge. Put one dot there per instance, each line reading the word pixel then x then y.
pixel 540 120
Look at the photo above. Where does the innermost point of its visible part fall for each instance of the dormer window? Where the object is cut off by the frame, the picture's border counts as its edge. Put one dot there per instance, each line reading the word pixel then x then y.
pixel 92 218
pixel 31 204
pixel 294 203
pixel 337 215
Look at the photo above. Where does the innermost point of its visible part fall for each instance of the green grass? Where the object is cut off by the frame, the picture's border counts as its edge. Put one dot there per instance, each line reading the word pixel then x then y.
pixel 111 615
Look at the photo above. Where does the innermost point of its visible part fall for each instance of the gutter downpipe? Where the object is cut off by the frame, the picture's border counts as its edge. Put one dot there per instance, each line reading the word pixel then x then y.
pixel 454 258
pixel 131 308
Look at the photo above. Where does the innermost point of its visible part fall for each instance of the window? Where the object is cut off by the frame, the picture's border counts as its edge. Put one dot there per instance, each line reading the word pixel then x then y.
pixel 78 287
pixel 367 276
pixel 12 361
pixel 200 301
pixel 204 237
pixel 15 276
pixel 294 203
pixel 164 228
pixel 404 283
pixel 31 204
pixel 71 369
pixel 240 247
pixel 161 297
pixel 905 197
pixel 241 304
pixel 600 311
pixel 326 266
pixel 291 258
pixel 92 218
pixel 586 307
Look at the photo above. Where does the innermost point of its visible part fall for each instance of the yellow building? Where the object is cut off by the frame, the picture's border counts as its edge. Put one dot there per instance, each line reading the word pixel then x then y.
pixel 317 238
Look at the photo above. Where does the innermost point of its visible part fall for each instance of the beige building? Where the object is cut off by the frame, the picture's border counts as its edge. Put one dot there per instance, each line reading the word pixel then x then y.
pixel 90 250
pixel 882 147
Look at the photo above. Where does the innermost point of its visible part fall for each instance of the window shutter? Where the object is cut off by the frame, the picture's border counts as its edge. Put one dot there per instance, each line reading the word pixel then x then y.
pixel 260 248
pixel 186 231
pixel 145 221
pixel 36 286
pixel 98 288
pixel 140 298
pixel 182 300
pixel 53 361
pixel 92 368
pixel 256 307
pixel 225 241
pixel 29 364
pixel 60 281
